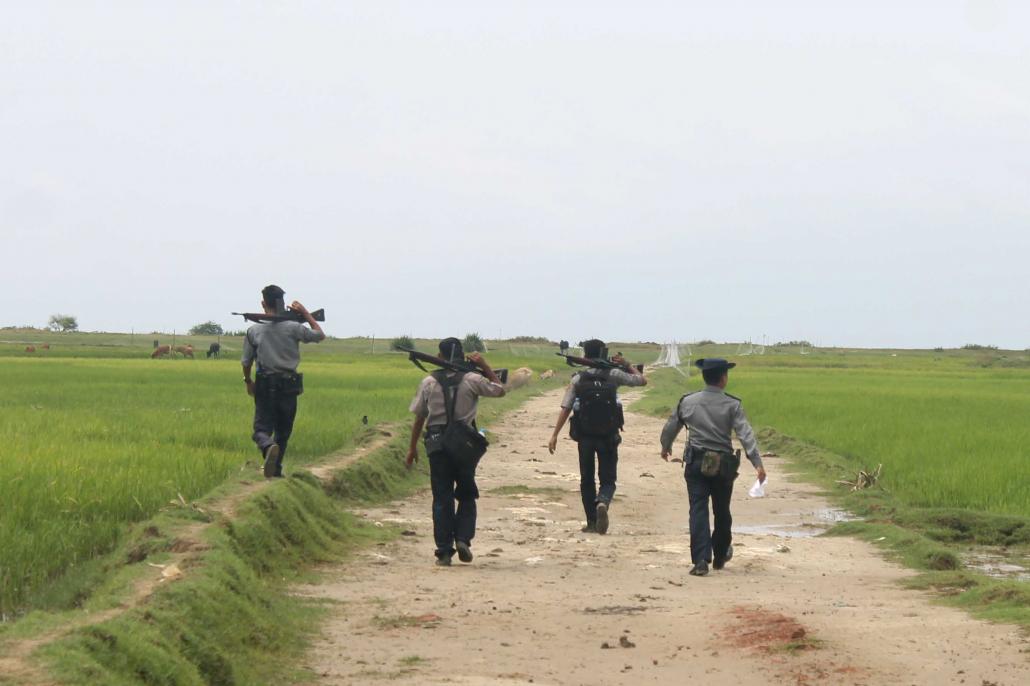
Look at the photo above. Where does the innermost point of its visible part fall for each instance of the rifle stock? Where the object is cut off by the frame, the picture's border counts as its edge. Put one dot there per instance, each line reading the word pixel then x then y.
pixel 574 361
pixel 417 358
pixel 288 316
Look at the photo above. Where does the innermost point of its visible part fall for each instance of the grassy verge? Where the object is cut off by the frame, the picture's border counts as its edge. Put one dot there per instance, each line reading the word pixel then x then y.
pixel 932 540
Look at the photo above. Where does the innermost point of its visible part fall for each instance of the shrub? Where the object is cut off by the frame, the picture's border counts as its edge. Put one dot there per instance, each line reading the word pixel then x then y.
pixel 402 342
pixel 473 343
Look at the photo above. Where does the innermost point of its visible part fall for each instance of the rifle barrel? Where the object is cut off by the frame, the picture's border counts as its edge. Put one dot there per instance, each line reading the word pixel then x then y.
pixel 465 367
pixel 289 316
pixel 598 364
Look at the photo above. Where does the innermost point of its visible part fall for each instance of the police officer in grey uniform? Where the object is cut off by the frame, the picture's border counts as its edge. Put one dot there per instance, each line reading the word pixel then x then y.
pixel 451 478
pixel 276 347
pixel 596 502
pixel 711 416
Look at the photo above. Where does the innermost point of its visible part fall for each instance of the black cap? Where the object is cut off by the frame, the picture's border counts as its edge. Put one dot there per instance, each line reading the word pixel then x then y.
pixel 713 363
pixel 451 350
pixel 271 293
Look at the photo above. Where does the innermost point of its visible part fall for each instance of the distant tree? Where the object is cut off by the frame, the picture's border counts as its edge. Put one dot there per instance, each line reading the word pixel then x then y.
pixel 63 322
pixel 402 342
pixel 977 346
pixel 473 343
pixel 207 329
pixel 705 341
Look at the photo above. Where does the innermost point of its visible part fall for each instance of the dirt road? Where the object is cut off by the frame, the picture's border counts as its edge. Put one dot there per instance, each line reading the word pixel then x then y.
pixel 543 603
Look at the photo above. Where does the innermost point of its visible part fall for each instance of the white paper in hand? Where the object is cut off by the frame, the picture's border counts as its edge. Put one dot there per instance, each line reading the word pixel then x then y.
pixel 758 490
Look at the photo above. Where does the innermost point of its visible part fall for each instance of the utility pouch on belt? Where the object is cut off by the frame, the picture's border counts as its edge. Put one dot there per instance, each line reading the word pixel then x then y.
pixel 433 440
pixel 725 465
pixel 279 384
pixel 574 432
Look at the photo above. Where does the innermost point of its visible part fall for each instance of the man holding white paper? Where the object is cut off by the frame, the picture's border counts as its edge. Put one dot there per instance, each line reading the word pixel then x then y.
pixel 711 416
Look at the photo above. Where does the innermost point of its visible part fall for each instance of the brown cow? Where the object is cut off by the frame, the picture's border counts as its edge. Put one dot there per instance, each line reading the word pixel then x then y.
pixel 30 348
pixel 185 350
pixel 161 351
pixel 46 346
pixel 519 378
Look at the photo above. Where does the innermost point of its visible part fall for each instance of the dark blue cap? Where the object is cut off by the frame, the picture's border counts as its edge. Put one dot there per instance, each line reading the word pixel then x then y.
pixel 707 363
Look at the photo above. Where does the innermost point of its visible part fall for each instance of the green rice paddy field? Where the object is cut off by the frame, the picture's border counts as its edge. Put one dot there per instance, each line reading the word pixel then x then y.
pixel 952 429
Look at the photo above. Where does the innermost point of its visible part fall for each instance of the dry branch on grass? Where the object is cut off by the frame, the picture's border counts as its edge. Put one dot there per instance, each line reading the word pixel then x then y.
pixel 864 479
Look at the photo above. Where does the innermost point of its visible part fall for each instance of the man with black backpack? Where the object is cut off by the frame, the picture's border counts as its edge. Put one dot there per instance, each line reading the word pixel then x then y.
pixel 446 405
pixel 596 422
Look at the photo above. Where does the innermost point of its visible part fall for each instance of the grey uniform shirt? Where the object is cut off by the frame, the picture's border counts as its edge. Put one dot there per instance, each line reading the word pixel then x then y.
pixel 429 400
pixel 276 345
pixel 618 377
pixel 711 416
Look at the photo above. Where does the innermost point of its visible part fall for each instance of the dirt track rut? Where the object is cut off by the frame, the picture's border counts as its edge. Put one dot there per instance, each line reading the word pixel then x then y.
pixel 541 599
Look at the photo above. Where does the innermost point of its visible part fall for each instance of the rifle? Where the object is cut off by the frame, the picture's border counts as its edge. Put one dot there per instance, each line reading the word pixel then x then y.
pixel 286 315
pixel 601 363
pixel 464 366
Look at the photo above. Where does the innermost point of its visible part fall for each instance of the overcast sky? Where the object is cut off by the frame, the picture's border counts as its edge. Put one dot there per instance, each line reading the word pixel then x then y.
pixel 632 171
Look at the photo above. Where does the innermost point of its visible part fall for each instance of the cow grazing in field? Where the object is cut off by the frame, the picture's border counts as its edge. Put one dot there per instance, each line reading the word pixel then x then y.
pixel 547 375
pixel 519 378
pixel 46 346
pixel 185 350
pixel 214 350
pixel 161 351
pixel 30 348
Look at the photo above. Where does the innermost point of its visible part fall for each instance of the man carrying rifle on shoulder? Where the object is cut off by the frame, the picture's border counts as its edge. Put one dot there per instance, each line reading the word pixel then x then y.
pixel 595 426
pixel 275 344
pixel 446 405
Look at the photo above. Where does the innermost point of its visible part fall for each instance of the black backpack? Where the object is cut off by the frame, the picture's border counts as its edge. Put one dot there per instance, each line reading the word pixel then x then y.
pixel 599 414
pixel 462 442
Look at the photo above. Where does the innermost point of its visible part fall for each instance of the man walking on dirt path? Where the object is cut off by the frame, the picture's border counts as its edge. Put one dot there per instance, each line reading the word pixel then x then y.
pixel 276 347
pixel 444 399
pixel 710 465
pixel 595 428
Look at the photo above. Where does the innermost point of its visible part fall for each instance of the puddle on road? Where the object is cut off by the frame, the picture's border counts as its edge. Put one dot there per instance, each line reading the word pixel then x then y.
pixel 823 520
pixel 834 515
pixel 996 566
pixel 779 530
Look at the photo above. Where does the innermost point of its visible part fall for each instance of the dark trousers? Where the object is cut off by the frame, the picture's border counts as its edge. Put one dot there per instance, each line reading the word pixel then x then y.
pixel 273 421
pixel 705 543
pixel 606 451
pixel 452 481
